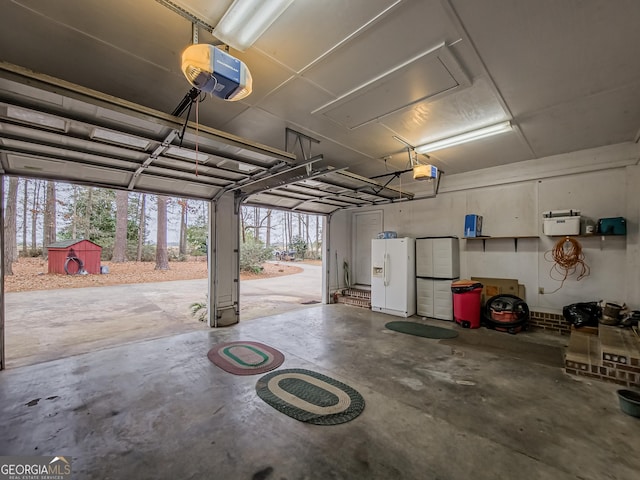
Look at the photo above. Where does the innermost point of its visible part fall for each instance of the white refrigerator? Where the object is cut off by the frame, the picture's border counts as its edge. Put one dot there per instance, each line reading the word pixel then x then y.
pixel 393 282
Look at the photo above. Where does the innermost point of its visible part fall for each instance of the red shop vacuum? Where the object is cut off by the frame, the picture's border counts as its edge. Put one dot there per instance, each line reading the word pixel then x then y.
pixel 506 313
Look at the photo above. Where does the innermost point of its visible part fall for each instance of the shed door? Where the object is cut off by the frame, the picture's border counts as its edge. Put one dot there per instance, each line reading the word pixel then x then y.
pixel 366 227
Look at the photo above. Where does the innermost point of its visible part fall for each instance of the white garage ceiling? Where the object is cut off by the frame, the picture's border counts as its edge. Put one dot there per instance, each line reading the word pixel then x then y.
pixel 357 75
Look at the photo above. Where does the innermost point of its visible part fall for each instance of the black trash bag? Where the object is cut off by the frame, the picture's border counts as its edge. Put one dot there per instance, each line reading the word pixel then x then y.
pixel 582 314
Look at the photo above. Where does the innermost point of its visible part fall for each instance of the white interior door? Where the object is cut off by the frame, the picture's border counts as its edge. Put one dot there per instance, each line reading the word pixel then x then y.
pixel 366 226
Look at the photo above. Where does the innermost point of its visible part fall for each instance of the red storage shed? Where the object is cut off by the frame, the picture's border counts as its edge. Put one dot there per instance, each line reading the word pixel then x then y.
pixel 71 256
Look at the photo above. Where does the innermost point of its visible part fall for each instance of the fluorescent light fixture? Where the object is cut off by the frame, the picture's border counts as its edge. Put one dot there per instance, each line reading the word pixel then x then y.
pixel 187 154
pixel 246 20
pixel 119 138
pixel 36 118
pixel 465 137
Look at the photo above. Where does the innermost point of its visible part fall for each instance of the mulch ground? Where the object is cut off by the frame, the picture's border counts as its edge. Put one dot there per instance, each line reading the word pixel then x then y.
pixel 31 274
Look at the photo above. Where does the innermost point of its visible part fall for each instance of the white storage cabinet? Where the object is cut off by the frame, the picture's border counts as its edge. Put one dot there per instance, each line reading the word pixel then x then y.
pixel 437 266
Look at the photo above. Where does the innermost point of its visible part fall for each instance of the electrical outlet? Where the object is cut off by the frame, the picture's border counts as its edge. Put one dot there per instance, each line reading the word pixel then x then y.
pixel 541 290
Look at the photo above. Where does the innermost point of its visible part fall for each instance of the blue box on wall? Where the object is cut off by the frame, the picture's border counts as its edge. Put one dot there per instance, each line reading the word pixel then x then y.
pixel 612 226
pixel 473 225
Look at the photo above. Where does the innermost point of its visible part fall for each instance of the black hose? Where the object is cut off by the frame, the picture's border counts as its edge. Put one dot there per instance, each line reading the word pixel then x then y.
pixel 73 259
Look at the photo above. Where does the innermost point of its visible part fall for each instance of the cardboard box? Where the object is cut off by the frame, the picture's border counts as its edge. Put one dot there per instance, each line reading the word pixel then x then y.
pixel 499 286
pixel 473 225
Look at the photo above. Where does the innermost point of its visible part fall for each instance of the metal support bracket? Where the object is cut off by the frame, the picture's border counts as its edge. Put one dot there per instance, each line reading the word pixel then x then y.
pixel 192 17
pixel 298 138
pixel 159 150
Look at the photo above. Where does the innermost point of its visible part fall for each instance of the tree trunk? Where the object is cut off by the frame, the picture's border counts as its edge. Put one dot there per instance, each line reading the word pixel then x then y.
pixel 74 214
pixel 162 254
pixel 256 223
pixel 10 253
pixel 122 213
pixel 141 226
pixel 317 243
pixel 308 238
pixel 285 237
pixel 268 234
pixel 86 222
pixel 289 217
pixel 184 205
pixel 49 226
pixel 242 225
pixel 35 206
pixel 25 208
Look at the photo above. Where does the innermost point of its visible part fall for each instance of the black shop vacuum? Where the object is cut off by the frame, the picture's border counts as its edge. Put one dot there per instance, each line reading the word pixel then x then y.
pixel 506 313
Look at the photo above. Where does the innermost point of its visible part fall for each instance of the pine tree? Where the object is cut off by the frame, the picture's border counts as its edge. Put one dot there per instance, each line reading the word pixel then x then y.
pixel 184 211
pixel 25 209
pixel 142 226
pixel 49 226
pixel 10 253
pixel 122 211
pixel 162 254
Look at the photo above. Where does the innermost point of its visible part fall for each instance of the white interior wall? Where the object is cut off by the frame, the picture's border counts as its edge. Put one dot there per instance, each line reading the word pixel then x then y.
pixel 600 182
pixel 339 245
pixel 597 195
pixel 633 235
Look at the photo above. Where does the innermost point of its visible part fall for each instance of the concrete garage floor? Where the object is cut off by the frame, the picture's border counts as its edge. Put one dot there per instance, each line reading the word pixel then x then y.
pixel 486 405
pixel 50 324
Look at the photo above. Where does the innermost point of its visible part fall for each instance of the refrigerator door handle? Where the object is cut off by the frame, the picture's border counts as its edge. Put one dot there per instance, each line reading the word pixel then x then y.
pixel 386 270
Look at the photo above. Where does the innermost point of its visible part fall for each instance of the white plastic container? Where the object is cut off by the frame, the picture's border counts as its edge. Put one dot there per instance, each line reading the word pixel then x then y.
pixel 561 225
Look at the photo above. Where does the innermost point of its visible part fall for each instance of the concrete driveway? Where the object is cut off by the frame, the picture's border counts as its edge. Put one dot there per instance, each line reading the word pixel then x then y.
pixel 49 324
pixel 270 296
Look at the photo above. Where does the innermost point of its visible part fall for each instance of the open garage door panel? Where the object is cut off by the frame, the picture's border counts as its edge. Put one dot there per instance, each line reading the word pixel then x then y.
pixel 59 131
pixel 52 129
